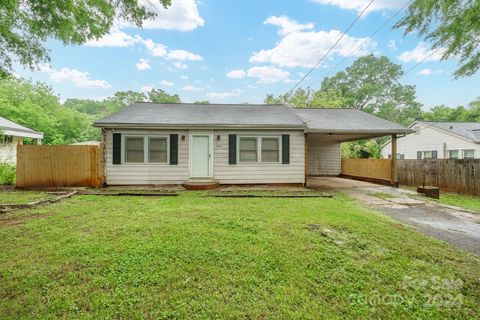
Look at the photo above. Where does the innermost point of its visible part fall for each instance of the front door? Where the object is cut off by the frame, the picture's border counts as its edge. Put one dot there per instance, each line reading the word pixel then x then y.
pixel 201 156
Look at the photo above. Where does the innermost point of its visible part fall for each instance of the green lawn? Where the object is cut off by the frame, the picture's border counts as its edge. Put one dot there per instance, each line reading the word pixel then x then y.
pixel 22 197
pixel 196 257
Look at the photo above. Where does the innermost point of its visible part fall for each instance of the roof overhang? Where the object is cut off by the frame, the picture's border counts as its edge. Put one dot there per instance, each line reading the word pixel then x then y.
pixel 22 133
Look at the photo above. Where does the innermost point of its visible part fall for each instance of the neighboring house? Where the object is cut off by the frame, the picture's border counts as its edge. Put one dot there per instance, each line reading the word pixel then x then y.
pixel 13 134
pixel 438 140
pixel 149 143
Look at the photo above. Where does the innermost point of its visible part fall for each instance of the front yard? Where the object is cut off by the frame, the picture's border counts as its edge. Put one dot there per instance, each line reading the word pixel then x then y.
pixel 193 256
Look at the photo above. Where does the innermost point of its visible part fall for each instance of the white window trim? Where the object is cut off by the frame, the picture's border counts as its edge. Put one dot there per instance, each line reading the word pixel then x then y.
pixel 259 149
pixel 145 148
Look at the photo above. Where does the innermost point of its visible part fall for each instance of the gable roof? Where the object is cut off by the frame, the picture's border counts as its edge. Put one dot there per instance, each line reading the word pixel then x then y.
pixel 468 130
pixel 11 128
pixel 250 116
pixel 187 114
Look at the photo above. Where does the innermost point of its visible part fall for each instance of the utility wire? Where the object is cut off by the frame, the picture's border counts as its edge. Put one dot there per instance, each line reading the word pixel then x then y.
pixel 331 48
pixel 363 42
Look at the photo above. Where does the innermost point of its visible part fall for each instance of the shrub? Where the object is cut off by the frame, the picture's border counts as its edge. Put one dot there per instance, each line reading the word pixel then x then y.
pixel 7 173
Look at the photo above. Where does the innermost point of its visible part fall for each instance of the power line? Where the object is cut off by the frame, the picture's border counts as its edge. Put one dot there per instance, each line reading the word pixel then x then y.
pixel 363 42
pixel 331 48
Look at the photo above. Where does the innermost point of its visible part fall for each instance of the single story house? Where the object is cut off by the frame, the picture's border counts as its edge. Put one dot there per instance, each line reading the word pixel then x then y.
pixel 438 140
pixel 149 143
pixel 13 134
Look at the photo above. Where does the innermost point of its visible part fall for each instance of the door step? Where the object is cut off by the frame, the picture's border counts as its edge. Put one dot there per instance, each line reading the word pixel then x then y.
pixel 201 184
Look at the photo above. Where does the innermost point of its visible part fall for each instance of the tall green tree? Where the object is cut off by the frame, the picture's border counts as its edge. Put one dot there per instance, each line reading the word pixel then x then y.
pixel 26 24
pixel 160 96
pixel 450 24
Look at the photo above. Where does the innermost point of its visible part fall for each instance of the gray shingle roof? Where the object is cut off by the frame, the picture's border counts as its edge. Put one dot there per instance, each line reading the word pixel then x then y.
pixel 15 129
pixel 202 115
pixel 314 120
pixel 469 130
pixel 346 120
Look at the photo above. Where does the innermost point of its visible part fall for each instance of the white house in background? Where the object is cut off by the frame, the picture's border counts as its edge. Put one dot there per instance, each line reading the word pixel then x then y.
pixel 148 143
pixel 438 140
pixel 13 134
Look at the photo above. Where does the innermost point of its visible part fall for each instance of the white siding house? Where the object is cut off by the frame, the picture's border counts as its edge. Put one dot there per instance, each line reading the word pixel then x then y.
pixel 11 135
pixel 148 143
pixel 438 140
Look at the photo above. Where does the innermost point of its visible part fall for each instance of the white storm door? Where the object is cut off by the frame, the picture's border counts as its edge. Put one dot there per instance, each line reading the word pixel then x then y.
pixel 201 157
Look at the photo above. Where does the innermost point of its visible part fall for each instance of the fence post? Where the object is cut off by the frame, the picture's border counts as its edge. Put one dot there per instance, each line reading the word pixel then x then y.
pixel 393 167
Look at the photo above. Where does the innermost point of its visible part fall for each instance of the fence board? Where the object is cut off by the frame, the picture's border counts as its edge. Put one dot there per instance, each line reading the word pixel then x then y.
pixel 367 168
pixel 59 166
pixel 453 175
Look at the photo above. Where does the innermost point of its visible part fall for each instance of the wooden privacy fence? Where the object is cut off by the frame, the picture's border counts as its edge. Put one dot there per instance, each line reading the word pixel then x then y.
pixel 374 169
pixel 59 166
pixel 454 175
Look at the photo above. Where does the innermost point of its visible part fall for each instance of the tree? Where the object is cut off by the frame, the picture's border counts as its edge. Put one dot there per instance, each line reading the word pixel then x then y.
pixel 160 96
pixel 372 84
pixel 26 24
pixel 201 102
pixel 453 25
pixel 308 98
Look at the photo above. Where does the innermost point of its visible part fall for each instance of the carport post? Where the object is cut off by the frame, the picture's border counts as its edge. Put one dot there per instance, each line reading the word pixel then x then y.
pixel 393 168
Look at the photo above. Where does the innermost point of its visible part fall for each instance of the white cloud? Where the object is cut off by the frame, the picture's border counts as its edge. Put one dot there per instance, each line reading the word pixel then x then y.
pixel 251 86
pixel 116 38
pixel 236 74
pixel 180 65
pixel 304 48
pixel 359 5
pixel 226 94
pixel 425 72
pixel 249 39
pixel 181 15
pixel 392 45
pixel 287 25
pixel 419 53
pixel 81 79
pixel 268 74
pixel 147 88
pixel 167 83
pixel 143 64
pixel 184 77
pixel 183 55
pixel 191 88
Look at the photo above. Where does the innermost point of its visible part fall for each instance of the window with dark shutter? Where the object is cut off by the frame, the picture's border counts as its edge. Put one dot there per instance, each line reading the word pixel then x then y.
pixel 285 148
pixel 232 149
pixel 434 155
pixel 419 154
pixel 117 148
pixel 174 149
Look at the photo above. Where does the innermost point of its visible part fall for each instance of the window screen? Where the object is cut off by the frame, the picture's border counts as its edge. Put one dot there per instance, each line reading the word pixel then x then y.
pixel 452 154
pixel 270 150
pixel 248 150
pixel 468 154
pixel 134 149
pixel 157 150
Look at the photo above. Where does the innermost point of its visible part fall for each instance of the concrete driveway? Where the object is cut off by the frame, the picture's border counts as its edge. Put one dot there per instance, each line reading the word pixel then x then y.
pixel 457 226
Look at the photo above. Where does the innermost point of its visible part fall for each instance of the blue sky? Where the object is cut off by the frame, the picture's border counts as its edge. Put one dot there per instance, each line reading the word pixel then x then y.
pixel 238 51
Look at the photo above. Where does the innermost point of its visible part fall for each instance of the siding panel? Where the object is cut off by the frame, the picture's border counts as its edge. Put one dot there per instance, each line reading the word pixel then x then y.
pixel 323 156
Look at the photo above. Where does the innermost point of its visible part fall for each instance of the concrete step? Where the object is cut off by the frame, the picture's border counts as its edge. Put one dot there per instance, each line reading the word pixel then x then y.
pixel 201 184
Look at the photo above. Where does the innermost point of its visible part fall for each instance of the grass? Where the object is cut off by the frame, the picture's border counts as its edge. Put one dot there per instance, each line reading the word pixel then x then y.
pixel 454 199
pixel 196 257
pixel 7 174
pixel 22 197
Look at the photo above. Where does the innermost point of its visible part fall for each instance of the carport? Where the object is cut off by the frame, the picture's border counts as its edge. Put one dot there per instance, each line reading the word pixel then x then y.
pixel 328 128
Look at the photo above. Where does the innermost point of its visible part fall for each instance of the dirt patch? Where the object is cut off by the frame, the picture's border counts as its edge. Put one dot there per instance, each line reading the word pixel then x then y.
pixel 15 221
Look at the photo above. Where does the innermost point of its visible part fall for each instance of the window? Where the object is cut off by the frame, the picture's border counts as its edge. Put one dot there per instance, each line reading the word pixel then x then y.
pixel 452 154
pixel 134 149
pixel 468 154
pixel 157 150
pixel 270 150
pixel 400 156
pixel 427 154
pixel 259 149
pixel 248 150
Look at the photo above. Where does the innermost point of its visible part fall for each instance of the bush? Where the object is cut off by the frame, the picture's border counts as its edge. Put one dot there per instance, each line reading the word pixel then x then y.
pixel 7 173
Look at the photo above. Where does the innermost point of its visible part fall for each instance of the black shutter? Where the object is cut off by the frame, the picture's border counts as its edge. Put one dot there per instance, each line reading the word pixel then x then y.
pixel 232 149
pixel 419 154
pixel 434 154
pixel 117 148
pixel 285 148
pixel 174 149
